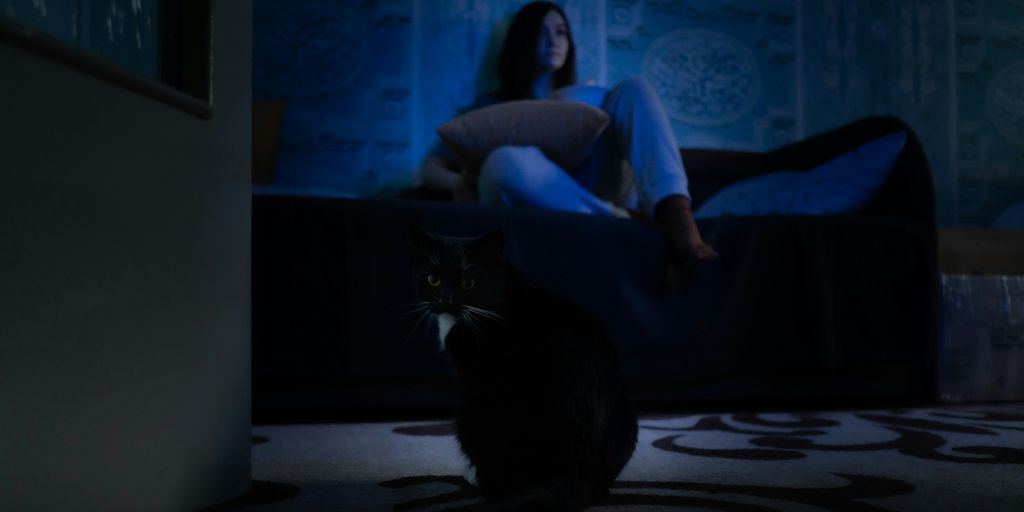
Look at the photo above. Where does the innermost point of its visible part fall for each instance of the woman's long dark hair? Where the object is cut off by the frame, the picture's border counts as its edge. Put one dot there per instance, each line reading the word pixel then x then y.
pixel 517 62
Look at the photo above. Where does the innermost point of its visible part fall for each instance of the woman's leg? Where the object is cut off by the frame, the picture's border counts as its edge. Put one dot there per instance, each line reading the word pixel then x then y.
pixel 523 176
pixel 640 133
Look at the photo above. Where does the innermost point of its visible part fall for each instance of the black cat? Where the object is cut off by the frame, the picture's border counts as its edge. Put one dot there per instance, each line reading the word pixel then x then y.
pixel 545 420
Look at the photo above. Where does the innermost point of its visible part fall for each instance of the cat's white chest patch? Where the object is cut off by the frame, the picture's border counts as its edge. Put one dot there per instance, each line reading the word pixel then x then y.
pixel 445 322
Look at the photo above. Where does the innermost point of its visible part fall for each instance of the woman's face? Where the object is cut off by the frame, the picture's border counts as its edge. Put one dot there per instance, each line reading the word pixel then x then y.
pixel 553 46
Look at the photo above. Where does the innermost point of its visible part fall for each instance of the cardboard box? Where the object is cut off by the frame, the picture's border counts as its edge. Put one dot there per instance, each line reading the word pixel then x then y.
pixel 982 338
pixel 981 251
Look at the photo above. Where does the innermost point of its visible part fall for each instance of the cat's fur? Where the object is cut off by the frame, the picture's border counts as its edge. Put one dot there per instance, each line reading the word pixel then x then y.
pixel 545 419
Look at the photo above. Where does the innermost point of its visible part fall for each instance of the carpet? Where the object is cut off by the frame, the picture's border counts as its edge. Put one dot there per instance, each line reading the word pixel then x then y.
pixel 942 458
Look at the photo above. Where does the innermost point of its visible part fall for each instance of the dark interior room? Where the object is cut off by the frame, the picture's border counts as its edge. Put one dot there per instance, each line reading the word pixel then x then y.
pixel 426 255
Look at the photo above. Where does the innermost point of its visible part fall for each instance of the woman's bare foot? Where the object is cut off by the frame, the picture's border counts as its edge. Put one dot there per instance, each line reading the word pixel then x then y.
pixel 672 216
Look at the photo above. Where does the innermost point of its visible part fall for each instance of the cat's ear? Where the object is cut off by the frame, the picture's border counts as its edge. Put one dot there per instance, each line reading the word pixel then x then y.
pixel 493 241
pixel 420 238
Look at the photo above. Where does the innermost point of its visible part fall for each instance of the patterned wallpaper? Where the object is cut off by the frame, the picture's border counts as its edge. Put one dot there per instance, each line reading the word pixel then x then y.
pixel 368 81
pixel 892 58
pixel 989 109
pixel 345 71
pixel 724 71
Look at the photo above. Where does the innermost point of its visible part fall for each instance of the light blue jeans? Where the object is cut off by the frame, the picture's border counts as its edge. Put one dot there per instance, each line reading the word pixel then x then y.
pixel 638 134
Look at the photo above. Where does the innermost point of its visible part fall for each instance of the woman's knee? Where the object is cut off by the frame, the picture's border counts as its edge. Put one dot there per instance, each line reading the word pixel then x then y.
pixel 506 167
pixel 635 87
pixel 508 162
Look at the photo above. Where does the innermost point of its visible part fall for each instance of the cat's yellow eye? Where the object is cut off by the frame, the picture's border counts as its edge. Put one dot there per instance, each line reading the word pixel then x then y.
pixel 433 280
pixel 467 283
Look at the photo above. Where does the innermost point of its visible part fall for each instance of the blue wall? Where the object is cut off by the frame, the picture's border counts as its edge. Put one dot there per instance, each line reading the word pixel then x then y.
pixel 366 82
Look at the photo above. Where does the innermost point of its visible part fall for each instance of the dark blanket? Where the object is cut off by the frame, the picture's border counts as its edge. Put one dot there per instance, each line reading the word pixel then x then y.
pixel 797 310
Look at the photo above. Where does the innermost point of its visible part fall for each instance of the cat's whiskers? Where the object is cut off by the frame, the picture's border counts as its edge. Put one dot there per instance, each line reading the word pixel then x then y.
pixel 426 314
pixel 422 307
pixel 416 308
pixel 486 313
pixel 408 304
pixel 466 317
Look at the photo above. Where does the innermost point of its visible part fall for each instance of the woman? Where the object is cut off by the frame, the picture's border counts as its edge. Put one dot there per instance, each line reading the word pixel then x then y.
pixel 538 60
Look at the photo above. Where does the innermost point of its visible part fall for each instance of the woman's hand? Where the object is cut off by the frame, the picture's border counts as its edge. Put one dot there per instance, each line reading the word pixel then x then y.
pixel 440 174
pixel 463 191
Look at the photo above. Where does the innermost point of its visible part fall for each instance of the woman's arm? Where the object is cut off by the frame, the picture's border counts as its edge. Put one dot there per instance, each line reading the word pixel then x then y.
pixel 441 174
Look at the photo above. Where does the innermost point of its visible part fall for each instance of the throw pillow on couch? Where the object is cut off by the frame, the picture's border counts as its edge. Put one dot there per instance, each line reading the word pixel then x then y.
pixel 564 131
pixel 839 186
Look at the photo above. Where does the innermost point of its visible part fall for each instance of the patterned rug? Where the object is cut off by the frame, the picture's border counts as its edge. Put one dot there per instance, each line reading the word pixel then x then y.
pixel 945 458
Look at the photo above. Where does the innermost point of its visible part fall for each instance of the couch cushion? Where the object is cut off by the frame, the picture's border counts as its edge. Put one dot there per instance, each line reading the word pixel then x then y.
pixel 841 185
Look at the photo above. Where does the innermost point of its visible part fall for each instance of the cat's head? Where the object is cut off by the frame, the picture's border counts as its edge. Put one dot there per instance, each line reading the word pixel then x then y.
pixel 462 277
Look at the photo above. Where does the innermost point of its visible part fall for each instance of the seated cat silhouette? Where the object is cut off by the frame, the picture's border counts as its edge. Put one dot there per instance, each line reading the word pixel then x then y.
pixel 544 418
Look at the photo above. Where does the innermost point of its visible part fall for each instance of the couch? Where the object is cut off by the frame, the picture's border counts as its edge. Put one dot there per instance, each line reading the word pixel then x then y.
pixel 799 310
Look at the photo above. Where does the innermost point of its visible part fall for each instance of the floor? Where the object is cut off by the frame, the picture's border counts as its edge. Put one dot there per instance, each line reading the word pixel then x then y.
pixel 966 457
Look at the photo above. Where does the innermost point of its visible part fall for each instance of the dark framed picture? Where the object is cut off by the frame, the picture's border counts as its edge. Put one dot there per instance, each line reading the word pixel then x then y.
pixel 157 48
